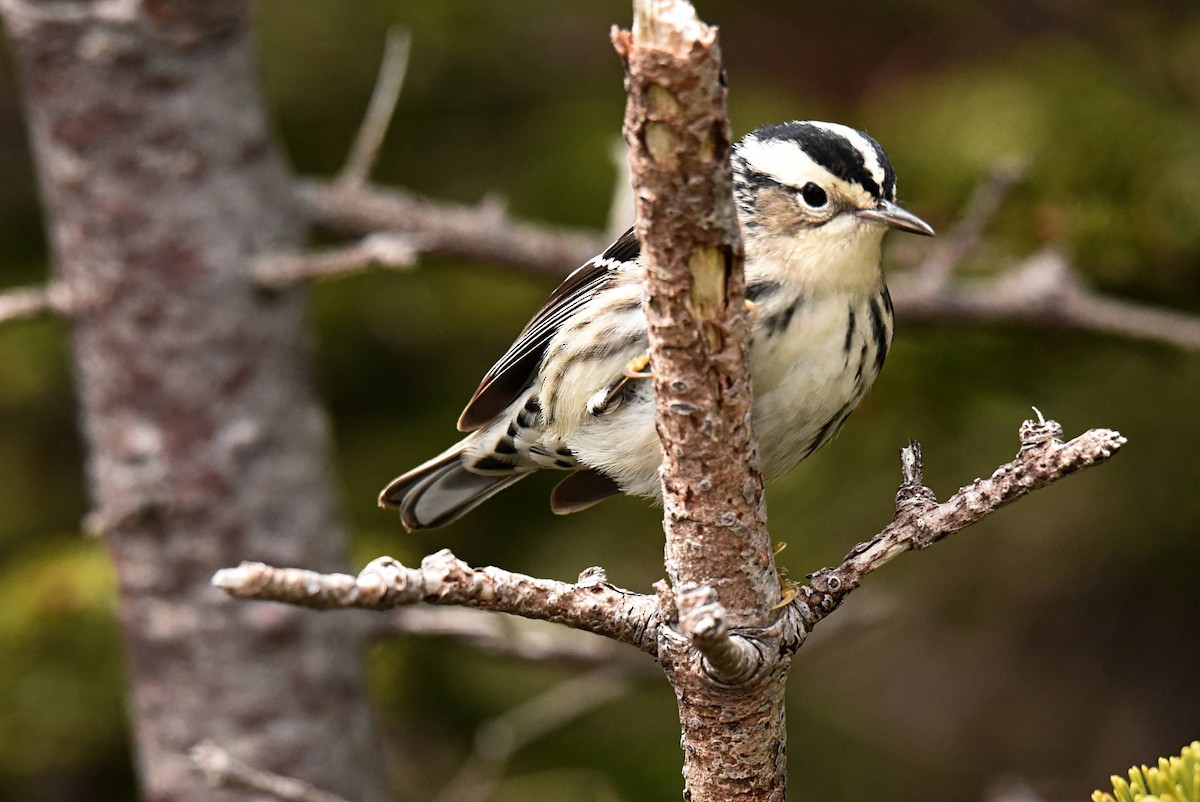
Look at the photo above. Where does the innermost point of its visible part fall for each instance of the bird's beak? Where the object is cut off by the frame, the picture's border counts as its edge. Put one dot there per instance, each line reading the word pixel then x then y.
pixel 895 217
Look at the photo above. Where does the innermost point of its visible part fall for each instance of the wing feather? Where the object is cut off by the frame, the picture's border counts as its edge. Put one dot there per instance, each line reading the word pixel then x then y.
pixel 512 373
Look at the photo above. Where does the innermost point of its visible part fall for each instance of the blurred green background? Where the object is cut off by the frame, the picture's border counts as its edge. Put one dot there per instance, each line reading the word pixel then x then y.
pixel 1054 644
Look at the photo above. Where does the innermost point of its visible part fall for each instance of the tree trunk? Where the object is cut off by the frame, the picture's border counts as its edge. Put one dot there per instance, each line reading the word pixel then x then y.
pixel 207 444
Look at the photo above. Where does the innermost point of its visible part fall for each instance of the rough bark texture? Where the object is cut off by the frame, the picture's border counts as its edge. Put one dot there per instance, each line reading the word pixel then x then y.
pixel 714 514
pixel 206 442
pixel 679 138
pixel 592 604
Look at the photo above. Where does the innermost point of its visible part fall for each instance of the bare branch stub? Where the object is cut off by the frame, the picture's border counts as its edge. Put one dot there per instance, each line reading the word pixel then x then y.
pixel 920 521
pixel 598 607
pixel 28 302
pixel 730 658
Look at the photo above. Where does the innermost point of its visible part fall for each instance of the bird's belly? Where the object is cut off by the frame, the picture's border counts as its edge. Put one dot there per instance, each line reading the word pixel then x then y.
pixel 807 379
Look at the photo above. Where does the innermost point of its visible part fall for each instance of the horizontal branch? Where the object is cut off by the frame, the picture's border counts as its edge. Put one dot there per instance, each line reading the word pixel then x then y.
pixel 223 770
pixel 518 638
pixel 1043 291
pixel 484 233
pixel 382 249
pixel 592 604
pixel 920 521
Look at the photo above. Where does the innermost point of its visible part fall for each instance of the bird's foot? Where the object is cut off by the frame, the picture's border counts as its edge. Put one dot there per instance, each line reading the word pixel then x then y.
pixel 788 590
pixel 638 367
pixel 752 308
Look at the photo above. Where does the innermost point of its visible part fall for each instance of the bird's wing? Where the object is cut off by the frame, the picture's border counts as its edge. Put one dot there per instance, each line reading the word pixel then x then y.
pixel 512 372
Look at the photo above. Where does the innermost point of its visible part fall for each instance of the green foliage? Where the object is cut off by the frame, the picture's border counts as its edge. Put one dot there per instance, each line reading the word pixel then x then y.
pixel 1175 779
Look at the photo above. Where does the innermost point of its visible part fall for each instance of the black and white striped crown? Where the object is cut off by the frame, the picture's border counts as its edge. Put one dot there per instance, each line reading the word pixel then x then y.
pixel 794 153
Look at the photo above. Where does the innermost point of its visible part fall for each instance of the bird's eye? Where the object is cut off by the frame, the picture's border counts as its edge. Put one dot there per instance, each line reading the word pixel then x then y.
pixel 813 195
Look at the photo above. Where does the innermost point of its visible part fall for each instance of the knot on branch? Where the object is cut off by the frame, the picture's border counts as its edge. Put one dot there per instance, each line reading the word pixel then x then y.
pixel 1034 433
pixel 728 658
pixel 912 492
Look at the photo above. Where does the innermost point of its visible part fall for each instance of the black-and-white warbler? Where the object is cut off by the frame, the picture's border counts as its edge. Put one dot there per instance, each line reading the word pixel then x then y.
pixel 814 201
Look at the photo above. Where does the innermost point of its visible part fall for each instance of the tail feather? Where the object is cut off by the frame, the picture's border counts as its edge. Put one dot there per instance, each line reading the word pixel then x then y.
pixel 442 490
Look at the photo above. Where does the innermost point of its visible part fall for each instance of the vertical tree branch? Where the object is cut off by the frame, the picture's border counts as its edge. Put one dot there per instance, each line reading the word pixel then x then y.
pixel 722 656
pixel 679 142
pixel 206 442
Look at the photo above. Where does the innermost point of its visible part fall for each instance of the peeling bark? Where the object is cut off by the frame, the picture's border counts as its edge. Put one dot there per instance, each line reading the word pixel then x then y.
pixel 206 442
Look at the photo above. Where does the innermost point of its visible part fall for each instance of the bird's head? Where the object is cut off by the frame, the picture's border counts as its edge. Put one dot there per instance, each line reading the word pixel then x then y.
pixel 816 189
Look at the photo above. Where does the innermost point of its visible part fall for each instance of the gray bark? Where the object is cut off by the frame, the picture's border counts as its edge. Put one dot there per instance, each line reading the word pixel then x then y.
pixel 207 444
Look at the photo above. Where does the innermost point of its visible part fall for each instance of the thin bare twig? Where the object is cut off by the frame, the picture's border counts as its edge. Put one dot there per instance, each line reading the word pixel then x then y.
pixel 505 635
pixel 380 110
pixel 1044 291
pixel 963 237
pixel 382 249
pixel 27 302
pixel 224 770
pixel 497 740
pixel 921 521
pixel 592 604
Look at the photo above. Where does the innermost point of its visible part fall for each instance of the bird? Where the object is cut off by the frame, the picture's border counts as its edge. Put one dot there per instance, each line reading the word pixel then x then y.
pixel 814 200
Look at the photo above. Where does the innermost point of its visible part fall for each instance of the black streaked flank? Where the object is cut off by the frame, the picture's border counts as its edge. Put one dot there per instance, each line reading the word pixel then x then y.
pixel 878 332
pixel 505 446
pixel 778 322
pixel 849 333
pixel 835 153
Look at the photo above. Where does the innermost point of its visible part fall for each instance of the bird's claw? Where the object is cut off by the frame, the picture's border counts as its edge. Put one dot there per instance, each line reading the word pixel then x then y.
pixel 638 367
pixel 788 590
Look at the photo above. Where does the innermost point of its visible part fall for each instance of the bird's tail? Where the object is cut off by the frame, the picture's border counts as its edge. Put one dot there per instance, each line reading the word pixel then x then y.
pixel 442 490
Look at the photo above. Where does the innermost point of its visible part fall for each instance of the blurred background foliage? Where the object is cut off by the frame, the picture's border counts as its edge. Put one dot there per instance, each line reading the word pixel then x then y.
pixel 1055 643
